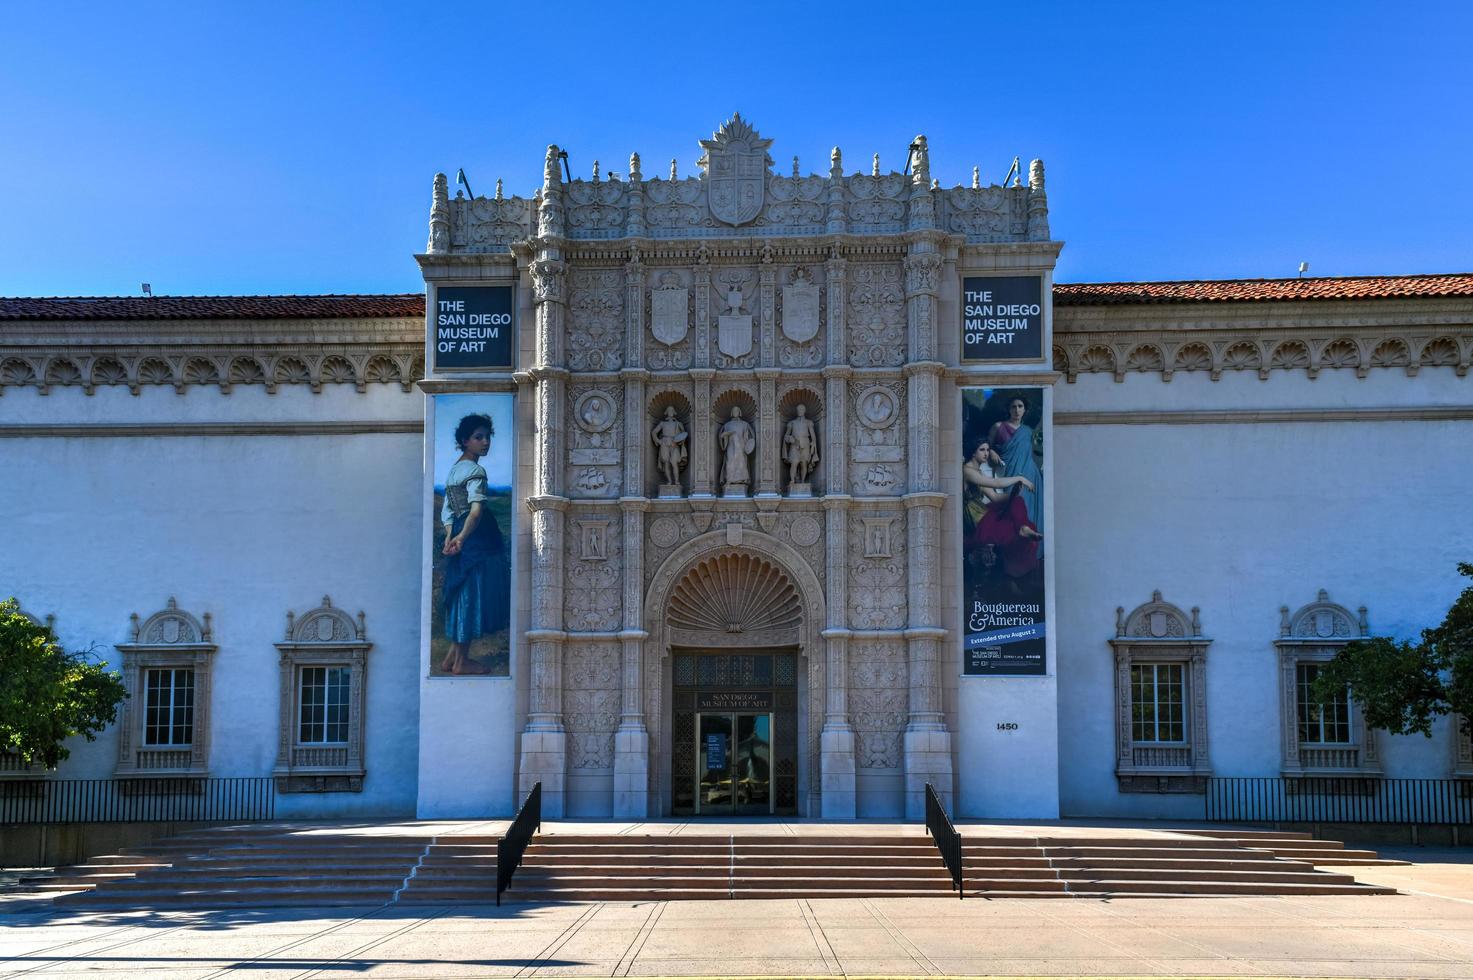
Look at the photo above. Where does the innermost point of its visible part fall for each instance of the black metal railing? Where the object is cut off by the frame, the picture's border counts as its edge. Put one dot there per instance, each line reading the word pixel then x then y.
pixel 513 843
pixel 1338 799
pixel 948 841
pixel 181 798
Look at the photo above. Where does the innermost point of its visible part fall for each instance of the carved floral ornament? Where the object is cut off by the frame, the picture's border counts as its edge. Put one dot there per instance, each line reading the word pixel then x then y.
pixel 1323 621
pixel 1158 620
pixel 327 625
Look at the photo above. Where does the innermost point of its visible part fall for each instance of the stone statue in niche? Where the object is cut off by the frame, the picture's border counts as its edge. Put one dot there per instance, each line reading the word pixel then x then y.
pixel 670 436
pixel 737 442
pixel 800 452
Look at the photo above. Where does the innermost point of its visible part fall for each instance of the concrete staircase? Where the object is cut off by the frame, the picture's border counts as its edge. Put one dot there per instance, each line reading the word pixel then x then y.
pixel 275 866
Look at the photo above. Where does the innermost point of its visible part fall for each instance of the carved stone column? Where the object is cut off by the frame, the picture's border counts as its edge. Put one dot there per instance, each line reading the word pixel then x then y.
pixel 702 433
pixel 836 428
pixel 701 345
pixel 634 272
pixel 767 312
pixel 632 740
pixel 836 741
pixel 769 439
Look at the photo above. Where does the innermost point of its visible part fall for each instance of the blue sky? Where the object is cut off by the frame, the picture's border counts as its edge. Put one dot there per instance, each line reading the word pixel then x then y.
pixel 265 148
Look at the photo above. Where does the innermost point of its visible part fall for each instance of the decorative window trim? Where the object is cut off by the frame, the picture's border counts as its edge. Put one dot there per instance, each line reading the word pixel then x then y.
pixel 1157 632
pixel 169 639
pixel 324 637
pixel 1314 634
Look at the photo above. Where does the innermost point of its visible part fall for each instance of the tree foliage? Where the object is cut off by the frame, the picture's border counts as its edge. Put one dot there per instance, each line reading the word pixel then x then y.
pixel 48 695
pixel 1402 686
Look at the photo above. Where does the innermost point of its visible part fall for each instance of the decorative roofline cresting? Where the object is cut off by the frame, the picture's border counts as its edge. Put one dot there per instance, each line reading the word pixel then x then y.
pixel 737 194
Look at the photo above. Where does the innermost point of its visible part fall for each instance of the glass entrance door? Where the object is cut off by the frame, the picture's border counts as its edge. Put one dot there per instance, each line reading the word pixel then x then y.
pixel 734 763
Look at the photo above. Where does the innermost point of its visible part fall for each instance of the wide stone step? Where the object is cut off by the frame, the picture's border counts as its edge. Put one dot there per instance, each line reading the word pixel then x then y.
pixel 1245 864
pixel 1107 886
pixel 1201 874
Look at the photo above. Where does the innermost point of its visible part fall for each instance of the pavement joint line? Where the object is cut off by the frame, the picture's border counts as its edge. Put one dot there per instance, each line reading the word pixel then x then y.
pixel 899 938
pixel 272 953
pixel 562 939
pixel 820 941
pixel 348 956
pixel 105 949
pixel 636 945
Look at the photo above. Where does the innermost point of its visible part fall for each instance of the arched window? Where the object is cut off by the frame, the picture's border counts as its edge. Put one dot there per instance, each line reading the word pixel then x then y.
pixel 1320 738
pixel 324 665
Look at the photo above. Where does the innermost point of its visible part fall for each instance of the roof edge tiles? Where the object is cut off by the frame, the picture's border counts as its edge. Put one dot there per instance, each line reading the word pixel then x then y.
pixel 350 306
pixel 1264 290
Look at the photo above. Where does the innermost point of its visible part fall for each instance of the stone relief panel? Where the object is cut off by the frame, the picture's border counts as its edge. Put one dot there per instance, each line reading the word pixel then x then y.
pixel 596 207
pixel 596 320
pixel 736 307
pixel 876 315
pixel 804 530
pixel 876 202
pixel 877 438
pixel 795 205
pixel 485 224
pixel 675 208
pixel 878 701
pixel 877 573
pixel 595 434
pixel 802 311
pixel 986 214
pixel 594 552
pixel 591 703
pixel 669 318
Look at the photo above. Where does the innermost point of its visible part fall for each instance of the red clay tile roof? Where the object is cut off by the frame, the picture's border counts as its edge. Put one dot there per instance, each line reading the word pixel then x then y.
pixel 211 307
pixel 412 304
pixel 1260 290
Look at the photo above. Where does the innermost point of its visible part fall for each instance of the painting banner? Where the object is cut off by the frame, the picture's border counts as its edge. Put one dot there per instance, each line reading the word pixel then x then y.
pixel 1004 631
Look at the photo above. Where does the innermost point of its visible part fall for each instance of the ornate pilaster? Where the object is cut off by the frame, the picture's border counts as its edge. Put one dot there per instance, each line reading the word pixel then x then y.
pixel 702 475
pixel 836 741
pixel 544 742
pixel 768 438
pixel 767 310
pixel 834 272
pixel 439 242
pixel 632 740
pixel 1037 204
pixel 636 437
pixel 922 272
pixel 922 210
pixel 634 272
pixel 924 424
pixel 701 355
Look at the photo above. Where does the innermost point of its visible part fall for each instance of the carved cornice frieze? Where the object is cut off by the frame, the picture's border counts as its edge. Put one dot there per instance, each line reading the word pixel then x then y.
pixel 1265 337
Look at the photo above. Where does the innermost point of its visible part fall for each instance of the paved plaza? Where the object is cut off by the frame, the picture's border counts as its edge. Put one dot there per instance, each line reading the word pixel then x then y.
pixel 1426 931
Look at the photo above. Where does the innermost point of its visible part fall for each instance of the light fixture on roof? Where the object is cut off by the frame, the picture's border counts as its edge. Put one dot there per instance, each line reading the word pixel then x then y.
pixel 147 288
pixel 1303 268
pixel 461 179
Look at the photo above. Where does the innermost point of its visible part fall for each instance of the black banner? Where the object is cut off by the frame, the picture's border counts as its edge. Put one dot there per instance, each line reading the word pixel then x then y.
pixel 475 327
pixel 1002 318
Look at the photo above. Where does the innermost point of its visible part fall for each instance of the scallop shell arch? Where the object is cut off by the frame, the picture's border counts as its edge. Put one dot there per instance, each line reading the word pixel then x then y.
pixel 731 595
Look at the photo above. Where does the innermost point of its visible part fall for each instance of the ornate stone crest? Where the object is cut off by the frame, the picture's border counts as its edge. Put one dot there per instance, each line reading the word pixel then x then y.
pixel 735 165
pixel 669 321
pixel 800 308
pixel 733 327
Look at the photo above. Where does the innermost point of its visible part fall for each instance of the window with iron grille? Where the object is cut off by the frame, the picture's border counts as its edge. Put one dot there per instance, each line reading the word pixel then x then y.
pixel 1321 723
pixel 168 706
pixel 324 705
pixel 1157 703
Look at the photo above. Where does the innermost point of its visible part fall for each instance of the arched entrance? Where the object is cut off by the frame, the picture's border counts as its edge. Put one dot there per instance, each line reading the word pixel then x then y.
pixel 734 624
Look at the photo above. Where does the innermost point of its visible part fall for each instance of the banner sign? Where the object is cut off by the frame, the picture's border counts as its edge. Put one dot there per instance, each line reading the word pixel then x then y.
pixel 1002 318
pixel 734 701
pixel 715 751
pixel 474 327
pixel 1004 632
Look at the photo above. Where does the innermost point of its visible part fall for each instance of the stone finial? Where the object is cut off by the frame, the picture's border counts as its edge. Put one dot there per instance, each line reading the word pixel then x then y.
pixel 935 183
pixel 1196 620
pixel 499 196
pixel 291 624
pixel 1283 620
pixel 550 175
pixel 362 625
pixel 1364 623
pixel 439 216
pixel 672 169
pixel 1035 175
pixel 207 631
pixel 874 166
pixel 976 177
pixel 634 173
pixel 1119 620
pixel 795 167
pixel 836 163
pixel 921 163
pixel 133 631
pixel 595 171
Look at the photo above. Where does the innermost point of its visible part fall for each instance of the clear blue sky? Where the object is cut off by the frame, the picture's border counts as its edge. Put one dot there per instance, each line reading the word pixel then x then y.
pixel 214 148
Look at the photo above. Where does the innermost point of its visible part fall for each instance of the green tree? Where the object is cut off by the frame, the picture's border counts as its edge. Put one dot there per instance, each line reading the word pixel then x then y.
pixel 48 695
pixel 1401 686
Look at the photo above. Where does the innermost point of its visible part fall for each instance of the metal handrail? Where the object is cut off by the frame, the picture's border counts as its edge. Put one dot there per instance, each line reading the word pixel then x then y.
pixel 513 843
pixel 944 833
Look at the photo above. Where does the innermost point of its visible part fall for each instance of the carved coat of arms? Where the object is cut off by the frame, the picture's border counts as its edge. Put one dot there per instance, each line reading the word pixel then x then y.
pixel 669 321
pixel 734 328
pixel 800 308
pixel 735 165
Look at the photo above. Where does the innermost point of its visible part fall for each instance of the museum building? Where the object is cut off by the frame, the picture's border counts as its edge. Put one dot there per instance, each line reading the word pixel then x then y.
pixel 742 492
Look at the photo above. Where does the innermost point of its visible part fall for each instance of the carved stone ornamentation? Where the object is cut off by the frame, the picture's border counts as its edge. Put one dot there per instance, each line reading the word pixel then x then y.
pixel 878 702
pixel 592 598
pixel 595 437
pixel 736 442
pixel 877 571
pixel 670 309
pixel 876 315
pixel 596 320
pixel 735 165
pixel 734 296
pixel 877 450
pixel 591 701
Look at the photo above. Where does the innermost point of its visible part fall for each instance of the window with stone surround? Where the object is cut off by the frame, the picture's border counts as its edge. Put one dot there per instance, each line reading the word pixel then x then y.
pixel 1320 739
pixel 324 663
pixel 165 727
pixel 1161 699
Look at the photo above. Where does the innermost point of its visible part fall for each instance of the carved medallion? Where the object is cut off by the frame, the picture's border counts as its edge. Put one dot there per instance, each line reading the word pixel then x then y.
pixel 800 308
pixel 669 320
pixel 594 412
pixel 805 531
pixel 665 531
pixel 735 165
pixel 877 408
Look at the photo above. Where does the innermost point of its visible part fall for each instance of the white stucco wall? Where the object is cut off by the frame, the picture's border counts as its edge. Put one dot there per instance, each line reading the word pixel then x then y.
pixel 242 527
pixel 1241 519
